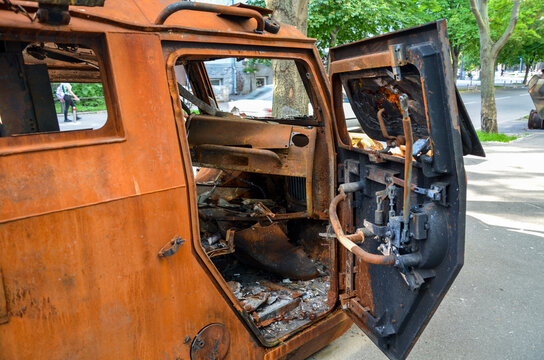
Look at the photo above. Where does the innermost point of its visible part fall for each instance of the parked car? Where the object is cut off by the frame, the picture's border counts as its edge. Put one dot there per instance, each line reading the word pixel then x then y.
pixel 258 103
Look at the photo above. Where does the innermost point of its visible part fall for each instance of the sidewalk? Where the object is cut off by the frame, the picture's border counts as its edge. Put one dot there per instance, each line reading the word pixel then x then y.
pixel 89 120
pixel 507 80
pixel 494 308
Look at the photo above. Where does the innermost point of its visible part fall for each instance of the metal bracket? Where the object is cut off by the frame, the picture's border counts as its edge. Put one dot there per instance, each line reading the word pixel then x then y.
pixel 398 57
pixel 376 229
pixel 434 193
pixel 437 192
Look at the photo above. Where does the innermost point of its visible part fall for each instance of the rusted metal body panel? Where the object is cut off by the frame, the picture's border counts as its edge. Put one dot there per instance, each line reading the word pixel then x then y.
pixel 84 215
pixel 257 134
pixel 100 241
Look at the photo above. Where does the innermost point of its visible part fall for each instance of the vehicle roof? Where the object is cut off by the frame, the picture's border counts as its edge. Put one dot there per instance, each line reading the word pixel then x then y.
pixel 141 14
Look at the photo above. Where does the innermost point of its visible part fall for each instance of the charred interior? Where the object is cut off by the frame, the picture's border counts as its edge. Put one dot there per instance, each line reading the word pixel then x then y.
pixel 272 257
pixel 253 178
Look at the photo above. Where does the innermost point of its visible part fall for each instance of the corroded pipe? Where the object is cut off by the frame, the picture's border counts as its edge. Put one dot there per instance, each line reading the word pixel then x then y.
pixel 407 125
pixel 219 9
pixel 347 241
pixel 382 125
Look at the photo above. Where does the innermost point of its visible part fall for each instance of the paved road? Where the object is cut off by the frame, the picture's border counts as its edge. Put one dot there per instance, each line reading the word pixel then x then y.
pixel 512 104
pixel 94 120
pixel 495 308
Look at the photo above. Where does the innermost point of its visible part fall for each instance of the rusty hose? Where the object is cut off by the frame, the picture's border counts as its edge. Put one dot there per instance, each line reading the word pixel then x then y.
pixel 382 126
pixel 407 125
pixel 219 9
pixel 347 241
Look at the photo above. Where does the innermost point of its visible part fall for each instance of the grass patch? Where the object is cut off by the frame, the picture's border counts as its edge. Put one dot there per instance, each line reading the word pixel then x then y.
pixel 470 89
pixel 495 137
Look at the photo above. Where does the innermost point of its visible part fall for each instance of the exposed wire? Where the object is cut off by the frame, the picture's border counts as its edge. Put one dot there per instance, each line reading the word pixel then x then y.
pixel 19 9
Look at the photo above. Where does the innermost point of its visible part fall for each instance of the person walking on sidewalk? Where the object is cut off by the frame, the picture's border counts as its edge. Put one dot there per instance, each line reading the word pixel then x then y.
pixel 64 91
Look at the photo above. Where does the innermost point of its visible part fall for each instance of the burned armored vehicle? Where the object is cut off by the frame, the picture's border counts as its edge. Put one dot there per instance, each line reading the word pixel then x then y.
pixel 173 226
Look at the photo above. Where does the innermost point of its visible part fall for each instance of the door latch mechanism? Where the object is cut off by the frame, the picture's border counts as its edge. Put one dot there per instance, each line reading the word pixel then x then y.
pixel 171 247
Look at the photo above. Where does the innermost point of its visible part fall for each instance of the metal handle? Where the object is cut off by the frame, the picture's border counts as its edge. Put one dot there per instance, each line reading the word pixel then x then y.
pixel 219 9
pixel 172 247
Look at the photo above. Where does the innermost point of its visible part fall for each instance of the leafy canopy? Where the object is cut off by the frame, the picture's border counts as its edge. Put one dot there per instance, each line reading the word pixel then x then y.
pixel 527 41
pixel 337 22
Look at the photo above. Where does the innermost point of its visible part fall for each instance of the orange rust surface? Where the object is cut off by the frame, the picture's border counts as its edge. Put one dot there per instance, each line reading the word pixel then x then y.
pixel 84 213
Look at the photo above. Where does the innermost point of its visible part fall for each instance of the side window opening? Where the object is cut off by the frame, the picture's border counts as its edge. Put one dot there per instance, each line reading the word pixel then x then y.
pixel 253 164
pixel 245 87
pixel 49 87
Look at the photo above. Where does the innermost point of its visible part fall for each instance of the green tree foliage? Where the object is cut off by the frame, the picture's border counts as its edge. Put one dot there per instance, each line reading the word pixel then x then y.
pixel 337 22
pixel 84 91
pixel 527 41
pixel 251 66
pixel 462 27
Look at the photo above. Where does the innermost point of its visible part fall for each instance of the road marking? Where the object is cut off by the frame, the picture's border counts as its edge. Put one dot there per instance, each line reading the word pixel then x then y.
pixel 471 102
pixel 524 95
pixel 504 97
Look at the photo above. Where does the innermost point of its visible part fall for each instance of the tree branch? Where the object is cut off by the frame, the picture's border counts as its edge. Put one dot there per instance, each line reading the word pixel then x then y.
pixel 509 30
pixel 477 15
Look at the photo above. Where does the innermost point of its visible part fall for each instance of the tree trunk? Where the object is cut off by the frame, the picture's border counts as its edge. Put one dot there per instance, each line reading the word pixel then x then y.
pixel 289 91
pixel 527 68
pixel 487 78
pixel 455 60
pixel 489 51
pixel 334 35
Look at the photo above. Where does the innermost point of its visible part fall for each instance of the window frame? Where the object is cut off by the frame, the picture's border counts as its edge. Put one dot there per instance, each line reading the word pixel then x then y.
pixel 173 51
pixel 300 56
pixel 111 132
pixel 263 78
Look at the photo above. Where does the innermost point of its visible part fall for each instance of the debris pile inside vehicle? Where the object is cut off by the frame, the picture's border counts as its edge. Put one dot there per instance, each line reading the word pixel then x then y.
pixel 278 306
pixel 271 256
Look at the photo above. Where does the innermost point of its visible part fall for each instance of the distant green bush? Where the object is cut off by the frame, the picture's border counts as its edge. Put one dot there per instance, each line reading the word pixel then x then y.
pixel 83 90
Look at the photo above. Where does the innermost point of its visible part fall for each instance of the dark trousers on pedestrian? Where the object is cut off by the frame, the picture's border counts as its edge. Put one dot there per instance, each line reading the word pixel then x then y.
pixel 68 104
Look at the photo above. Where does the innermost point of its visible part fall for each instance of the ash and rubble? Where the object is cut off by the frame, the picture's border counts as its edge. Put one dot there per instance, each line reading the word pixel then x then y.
pixel 278 306
pixel 272 258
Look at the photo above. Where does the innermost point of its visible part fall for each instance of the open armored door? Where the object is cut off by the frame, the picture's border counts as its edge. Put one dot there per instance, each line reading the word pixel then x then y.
pixel 400 210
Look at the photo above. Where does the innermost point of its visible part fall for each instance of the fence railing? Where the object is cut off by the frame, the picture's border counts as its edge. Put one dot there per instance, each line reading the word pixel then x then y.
pixel 85 98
